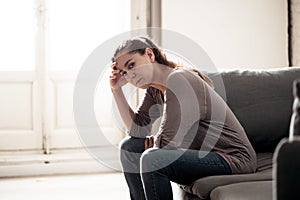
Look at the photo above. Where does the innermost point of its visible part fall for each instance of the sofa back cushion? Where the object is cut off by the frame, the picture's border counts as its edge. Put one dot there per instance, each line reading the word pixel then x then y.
pixel 261 100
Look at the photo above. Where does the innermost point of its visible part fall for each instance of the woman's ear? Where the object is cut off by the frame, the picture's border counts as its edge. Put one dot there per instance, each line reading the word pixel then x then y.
pixel 150 54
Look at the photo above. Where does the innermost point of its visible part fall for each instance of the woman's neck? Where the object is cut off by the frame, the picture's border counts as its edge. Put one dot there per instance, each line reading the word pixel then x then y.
pixel 160 76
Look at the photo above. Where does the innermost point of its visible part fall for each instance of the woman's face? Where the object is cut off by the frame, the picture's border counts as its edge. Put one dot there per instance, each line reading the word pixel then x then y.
pixel 136 68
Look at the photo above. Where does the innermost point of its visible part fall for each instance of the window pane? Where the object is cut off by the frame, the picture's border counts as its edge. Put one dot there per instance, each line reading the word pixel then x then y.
pixel 17 35
pixel 78 27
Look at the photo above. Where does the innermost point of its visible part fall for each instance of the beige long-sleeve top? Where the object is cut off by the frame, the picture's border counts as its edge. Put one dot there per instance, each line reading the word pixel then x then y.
pixel 194 116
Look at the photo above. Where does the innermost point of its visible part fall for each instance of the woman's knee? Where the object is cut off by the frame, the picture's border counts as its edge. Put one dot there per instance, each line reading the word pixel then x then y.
pixel 131 145
pixel 125 144
pixel 149 161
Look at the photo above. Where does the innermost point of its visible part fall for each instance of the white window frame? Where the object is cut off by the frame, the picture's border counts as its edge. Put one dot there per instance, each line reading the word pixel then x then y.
pixel 29 158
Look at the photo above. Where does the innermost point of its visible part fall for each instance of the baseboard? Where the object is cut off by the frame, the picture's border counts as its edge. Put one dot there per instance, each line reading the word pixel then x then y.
pixel 59 162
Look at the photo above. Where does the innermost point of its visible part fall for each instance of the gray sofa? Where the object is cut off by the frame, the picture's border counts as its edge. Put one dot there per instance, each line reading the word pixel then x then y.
pixel 262 101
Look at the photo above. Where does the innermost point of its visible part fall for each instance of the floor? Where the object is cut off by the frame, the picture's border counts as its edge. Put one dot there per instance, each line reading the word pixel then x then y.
pixel 75 187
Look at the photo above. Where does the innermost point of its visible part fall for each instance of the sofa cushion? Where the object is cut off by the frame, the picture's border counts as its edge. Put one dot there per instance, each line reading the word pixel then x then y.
pixel 202 187
pixel 246 191
pixel 261 100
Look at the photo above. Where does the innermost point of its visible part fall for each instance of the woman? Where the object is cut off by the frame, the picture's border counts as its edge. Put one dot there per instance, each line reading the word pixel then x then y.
pixel 198 135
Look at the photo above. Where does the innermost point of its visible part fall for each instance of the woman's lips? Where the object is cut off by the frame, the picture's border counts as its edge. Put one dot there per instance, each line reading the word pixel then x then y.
pixel 138 82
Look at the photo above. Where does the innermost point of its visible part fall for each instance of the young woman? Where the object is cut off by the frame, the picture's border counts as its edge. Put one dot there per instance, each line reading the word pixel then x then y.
pixel 198 135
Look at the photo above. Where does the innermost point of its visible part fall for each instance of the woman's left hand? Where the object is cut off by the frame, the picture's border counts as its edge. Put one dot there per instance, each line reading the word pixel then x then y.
pixel 149 142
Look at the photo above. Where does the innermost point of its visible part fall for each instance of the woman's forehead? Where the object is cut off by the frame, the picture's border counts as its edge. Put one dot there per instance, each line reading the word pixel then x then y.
pixel 121 60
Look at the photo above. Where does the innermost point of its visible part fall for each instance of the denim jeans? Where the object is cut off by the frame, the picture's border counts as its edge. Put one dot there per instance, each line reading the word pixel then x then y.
pixel 148 173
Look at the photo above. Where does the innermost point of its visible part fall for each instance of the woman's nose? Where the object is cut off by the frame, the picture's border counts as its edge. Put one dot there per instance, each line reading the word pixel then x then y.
pixel 131 74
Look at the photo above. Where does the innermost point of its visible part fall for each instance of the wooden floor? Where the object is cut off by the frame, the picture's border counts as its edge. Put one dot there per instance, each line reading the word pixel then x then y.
pixel 75 187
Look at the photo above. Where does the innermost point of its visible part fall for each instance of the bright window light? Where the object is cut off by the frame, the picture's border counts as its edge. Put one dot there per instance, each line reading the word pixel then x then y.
pixel 17 32
pixel 76 28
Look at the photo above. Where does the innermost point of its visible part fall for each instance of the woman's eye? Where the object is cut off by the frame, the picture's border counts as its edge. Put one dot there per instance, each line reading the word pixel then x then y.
pixel 131 65
pixel 123 73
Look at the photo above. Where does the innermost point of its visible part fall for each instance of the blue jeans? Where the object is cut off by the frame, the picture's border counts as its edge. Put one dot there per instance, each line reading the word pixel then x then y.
pixel 148 173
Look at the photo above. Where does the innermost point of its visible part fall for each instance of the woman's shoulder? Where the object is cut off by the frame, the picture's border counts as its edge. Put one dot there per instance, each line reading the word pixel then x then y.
pixel 184 81
pixel 184 74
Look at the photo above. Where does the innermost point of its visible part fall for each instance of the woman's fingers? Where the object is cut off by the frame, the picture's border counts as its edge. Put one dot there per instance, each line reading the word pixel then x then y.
pixel 146 143
pixel 116 79
pixel 113 65
pixel 149 142
pixel 115 70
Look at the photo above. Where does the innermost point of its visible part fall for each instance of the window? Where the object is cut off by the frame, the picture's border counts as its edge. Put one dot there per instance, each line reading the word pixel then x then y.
pixel 76 28
pixel 41 42
pixel 17 24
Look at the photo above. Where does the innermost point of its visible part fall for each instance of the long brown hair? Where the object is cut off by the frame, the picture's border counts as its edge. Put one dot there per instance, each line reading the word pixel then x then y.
pixel 139 45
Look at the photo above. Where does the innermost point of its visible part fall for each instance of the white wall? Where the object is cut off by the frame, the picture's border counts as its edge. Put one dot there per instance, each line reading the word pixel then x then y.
pixel 234 33
pixel 295 32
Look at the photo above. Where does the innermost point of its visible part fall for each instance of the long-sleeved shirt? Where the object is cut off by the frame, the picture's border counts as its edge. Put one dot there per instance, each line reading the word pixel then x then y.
pixel 194 116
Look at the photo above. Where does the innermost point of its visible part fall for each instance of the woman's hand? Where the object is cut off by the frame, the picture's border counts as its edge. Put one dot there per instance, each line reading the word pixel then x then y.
pixel 149 142
pixel 116 80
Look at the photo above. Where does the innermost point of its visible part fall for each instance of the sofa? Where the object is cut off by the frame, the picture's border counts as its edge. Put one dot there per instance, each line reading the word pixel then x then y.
pixel 262 101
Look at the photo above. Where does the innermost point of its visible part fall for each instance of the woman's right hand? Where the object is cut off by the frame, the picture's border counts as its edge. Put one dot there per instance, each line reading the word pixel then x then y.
pixel 116 80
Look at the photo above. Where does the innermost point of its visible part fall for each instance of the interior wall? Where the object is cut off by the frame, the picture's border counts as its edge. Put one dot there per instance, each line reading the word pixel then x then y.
pixel 234 33
pixel 295 32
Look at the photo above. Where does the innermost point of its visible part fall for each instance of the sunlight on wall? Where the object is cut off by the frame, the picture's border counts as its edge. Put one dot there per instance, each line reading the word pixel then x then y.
pixel 235 34
pixel 17 26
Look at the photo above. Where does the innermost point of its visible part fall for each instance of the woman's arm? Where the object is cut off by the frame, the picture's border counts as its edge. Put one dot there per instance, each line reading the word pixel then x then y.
pixel 117 81
pixel 138 123
pixel 125 110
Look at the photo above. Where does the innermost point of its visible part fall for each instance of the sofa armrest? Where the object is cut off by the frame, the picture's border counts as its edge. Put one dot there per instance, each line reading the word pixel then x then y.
pixel 287 169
